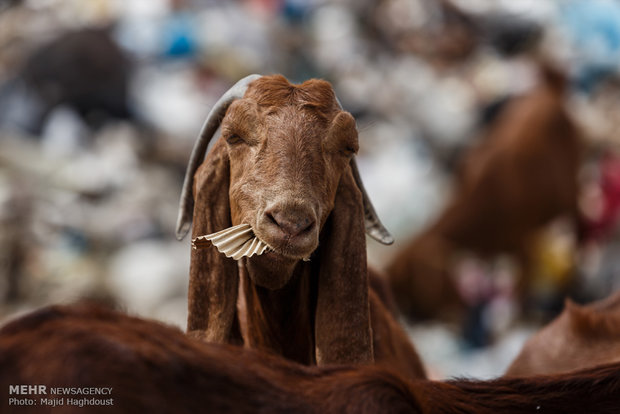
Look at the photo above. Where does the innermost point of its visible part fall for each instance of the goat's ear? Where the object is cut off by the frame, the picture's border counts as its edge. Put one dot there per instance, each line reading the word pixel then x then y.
pixel 214 279
pixel 374 227
pixel 343 333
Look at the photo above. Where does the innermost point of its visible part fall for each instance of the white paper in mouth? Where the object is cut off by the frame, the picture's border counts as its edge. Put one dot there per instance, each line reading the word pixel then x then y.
pixel 236 242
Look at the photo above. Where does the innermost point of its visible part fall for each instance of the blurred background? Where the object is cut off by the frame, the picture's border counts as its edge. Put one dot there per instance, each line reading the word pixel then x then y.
pixel 101 101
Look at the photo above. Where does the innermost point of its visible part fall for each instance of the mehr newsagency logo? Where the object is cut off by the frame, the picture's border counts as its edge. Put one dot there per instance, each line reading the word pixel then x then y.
pixel 42 395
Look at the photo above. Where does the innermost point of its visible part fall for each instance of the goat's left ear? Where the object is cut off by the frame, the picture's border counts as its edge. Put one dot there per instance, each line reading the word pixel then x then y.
pixel 343 332
pixel 374 227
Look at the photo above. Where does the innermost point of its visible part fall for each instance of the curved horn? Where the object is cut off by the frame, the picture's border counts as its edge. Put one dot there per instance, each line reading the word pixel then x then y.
pixel 374 227
pixel 211 124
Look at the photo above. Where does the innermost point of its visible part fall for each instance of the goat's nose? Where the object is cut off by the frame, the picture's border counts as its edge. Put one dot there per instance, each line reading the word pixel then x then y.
pixel 291 223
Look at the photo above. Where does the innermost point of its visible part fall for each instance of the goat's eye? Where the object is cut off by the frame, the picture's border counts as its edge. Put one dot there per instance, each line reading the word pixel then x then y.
pixel 234 139
pixel 348 151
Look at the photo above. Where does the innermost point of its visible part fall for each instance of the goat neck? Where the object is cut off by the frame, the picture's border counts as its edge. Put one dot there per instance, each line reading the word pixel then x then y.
pixel 279 321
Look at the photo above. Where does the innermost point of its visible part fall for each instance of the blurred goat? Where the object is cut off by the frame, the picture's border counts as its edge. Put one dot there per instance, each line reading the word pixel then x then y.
pixel 154 368
pixel 521 177
pixel 284 171
pixel 581 337
pixel 83 69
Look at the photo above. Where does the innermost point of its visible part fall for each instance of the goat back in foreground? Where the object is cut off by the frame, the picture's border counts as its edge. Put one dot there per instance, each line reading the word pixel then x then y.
pixel 592 391
pixel 155 368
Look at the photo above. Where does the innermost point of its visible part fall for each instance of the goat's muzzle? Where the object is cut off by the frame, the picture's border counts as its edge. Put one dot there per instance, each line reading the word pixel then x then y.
pixel 289 225
pixel 291 230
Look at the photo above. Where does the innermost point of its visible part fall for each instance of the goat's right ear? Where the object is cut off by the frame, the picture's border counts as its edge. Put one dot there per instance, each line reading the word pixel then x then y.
pixel 214 278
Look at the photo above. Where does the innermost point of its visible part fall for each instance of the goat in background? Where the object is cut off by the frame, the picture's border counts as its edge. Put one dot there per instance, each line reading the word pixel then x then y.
pixel 283 175
pixel 157 369
pixel 521 177
pixel 581 337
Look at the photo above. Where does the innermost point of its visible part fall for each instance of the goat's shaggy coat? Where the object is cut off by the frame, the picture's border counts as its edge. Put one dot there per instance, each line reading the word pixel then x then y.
pixel 156 369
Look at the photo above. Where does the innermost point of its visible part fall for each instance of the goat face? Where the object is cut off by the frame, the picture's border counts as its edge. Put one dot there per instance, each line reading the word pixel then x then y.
pixel 286 160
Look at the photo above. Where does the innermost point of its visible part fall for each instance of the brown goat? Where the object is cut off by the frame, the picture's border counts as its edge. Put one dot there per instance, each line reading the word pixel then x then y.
pixel 523 175
pixel 581 337
pixel 284 166
pixel 154 368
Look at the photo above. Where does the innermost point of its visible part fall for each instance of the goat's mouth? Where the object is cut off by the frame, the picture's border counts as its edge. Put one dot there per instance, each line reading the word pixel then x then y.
pixel 237 242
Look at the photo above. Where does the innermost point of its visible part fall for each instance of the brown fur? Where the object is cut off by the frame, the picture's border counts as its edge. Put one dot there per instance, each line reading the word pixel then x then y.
pixel 589 391
pixel 392 347
pixel 581 337
pixel 155 368
pixel 282 165
pixel 377 282
pixel 523 175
